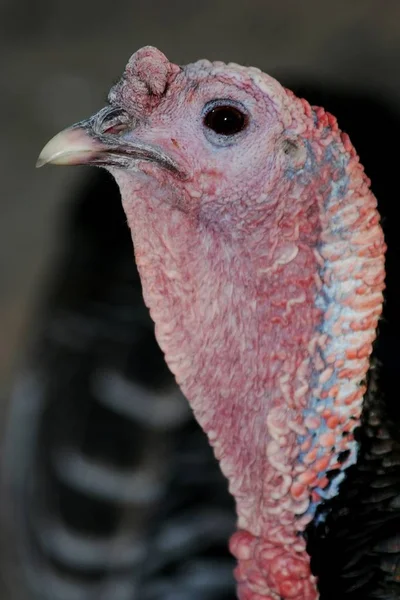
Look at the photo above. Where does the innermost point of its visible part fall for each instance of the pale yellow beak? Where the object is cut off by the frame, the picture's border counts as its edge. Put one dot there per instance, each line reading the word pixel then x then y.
pixel 85 144
pixel 72 146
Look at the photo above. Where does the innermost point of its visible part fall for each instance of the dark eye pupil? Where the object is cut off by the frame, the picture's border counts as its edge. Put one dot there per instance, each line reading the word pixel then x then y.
pixel 225 120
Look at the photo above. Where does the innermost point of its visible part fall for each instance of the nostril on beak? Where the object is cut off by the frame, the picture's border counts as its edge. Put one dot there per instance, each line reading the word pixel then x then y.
pixel 112 121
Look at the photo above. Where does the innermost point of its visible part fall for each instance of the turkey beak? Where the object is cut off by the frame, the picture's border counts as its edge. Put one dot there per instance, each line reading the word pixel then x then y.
pixel 106 139
pixel 72 146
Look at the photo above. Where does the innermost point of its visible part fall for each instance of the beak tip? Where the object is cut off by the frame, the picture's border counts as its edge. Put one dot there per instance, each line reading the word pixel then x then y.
pixel 69 147
pixel 40 162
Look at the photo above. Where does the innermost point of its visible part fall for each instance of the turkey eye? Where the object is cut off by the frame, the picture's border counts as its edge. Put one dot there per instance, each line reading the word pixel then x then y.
pixel 225 120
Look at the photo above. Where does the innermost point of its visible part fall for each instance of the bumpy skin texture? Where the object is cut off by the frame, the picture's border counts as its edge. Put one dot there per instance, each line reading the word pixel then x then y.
pixel 262 263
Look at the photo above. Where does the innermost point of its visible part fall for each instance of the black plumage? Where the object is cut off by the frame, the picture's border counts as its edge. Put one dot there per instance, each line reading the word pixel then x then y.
pixel 114 490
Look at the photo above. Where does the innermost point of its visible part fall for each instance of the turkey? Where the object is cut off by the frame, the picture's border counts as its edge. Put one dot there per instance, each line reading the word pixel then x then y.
pixel 350 559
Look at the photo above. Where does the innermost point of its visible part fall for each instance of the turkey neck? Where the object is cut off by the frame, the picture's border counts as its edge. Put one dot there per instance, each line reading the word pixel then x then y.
pixel 269 336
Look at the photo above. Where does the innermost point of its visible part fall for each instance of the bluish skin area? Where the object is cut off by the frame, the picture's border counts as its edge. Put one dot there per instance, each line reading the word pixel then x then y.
pixel 324 300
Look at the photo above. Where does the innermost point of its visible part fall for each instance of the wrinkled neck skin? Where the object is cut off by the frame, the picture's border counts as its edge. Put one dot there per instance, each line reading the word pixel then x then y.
pixel 269 337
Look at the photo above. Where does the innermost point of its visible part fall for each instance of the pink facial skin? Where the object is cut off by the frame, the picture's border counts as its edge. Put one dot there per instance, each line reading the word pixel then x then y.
pixel 262 263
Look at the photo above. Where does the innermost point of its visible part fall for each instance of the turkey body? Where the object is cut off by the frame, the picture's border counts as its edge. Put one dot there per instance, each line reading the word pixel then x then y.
pixel 114 490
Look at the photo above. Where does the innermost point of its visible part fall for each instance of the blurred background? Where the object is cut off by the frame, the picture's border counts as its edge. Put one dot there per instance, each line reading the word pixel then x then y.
pixel 105 472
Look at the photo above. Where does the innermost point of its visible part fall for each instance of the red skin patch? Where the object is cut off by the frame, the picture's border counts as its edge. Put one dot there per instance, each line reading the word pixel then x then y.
pixel 266 573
